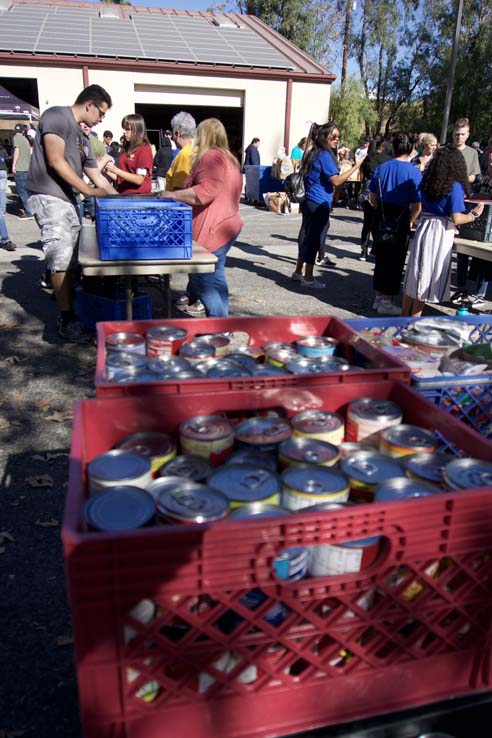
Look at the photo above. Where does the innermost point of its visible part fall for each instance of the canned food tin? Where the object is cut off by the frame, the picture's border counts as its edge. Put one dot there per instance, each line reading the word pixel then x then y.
pixel 220 343
pixel 227 369
pixel 210 436
pixel 190 373
pixel 204 366
pixel 468 473
pixel 317 365
pixel 196 351
pixel 262 434
pixel 133 376
pixel 158 447
pixel 427 467
pixel 243 484
pixel 168 364
pixel 116 468
pixel 163 484
pixel 296 451
pixel 320 424
pixel 267 370
pixel 119 508
pixel 253 458
pixel 309 485
pixel 367 416
pixel 189 466
pixel 277 346
pixel 255 352
pixel 191 503
pixel 245 360
pixel 349 447
pixel 346 557
pixel 403 489
pixel 314 346
pixel 280 357
pixel 258 510
pixel 118 361
pixel 292 564
pixel 403 440
pixel 365 470
pixel 164 340
pixel 132 343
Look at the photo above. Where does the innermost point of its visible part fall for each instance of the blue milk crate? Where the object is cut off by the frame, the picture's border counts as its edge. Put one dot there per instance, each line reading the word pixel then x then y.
pixel 143 227
pixel 92 309
pixel 468 398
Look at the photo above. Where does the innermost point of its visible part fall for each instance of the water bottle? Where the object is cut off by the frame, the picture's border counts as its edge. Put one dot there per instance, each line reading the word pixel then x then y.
pixel 462 310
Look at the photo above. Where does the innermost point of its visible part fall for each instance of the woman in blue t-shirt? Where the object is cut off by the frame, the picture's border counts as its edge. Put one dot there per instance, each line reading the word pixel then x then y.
pixel 443 190
pixel 321 175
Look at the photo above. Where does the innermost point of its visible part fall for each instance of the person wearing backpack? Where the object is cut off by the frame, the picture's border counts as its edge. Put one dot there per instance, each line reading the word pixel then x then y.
pixel 321 175
pixel 5 242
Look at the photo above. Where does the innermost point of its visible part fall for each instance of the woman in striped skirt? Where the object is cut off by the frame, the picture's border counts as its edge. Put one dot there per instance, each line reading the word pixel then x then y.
pixel 443 190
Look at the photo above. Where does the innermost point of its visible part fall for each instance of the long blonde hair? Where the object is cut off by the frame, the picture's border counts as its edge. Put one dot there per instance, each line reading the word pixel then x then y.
pixel 211 134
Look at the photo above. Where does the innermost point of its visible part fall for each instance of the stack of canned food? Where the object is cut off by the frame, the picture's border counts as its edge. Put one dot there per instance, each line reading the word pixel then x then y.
pixel 220 468
pixel 165 353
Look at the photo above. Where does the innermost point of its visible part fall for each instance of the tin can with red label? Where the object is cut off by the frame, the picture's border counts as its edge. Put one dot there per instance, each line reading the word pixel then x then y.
pixel 164 340
pixel 210 436
pixel 133 343
pixel 368 416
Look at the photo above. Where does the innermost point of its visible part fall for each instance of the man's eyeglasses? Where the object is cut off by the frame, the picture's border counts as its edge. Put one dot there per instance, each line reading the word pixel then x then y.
pixel 102 113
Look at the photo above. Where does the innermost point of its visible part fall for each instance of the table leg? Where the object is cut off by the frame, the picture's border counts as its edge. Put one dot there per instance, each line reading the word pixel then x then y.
pixel 166 290
pixel 129 298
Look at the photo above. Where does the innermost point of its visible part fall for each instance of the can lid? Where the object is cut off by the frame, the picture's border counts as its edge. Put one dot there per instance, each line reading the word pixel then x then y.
pixel 266 430
pixel 375 408
pixel 428 466
pixel 166 333
pixel 148 444
pixel 162 484
pixel 217 340
pixel 258 510
pixel 316 341
pixel 227 370
pixel 206 427
pixel 409 436
pixel 119 508
pixel 124 360
pixel 167 363
pixel 314 480
pixel 117 465
pixel 188 466
pixel 121 339
pixel 193 503
pixel 277 345
pixel 268 370
pixel 370 467
pixel 468 473
pixel 196 349
pixel 404 488
pixel 308 450
pixel 327 506
pixel 242 358
pixel 318 365
pixel 135 375
pixel 242 483
pixel 252 458
pixel 316 421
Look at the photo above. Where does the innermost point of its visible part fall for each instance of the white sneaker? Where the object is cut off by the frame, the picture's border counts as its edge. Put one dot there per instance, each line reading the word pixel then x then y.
pixel 313 284
pixel 376 302
pixel 386 307
pixel 297 277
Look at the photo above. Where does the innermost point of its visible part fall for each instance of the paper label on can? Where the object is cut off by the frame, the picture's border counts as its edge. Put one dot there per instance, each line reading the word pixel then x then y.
pixel 327 560
pixel 295 501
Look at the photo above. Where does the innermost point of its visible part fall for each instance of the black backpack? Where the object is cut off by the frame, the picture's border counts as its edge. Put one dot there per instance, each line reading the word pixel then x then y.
pixel 294 187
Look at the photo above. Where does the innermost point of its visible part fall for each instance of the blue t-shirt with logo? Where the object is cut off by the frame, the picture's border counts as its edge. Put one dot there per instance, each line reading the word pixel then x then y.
pixel 454 202
pixel 317 183
pixel 400 183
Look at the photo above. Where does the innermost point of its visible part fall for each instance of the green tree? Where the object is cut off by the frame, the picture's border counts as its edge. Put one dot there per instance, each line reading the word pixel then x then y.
pixel 352 110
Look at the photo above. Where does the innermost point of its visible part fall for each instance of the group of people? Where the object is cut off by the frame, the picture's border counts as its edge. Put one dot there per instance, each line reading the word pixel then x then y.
pixel 65 166
pixel 401 190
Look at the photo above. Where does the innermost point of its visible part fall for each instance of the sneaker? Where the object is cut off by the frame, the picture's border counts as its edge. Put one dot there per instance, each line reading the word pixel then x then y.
pixel 328 262
pixel 376 302
pixel 7 245
pixel 386 307
pixel 476 300
pixel 312 284
pixel 182 301
pixel 297 277
pixel 72 332
pixel 363 255
pixel 197 309
pixel 459 297
pixel 25 216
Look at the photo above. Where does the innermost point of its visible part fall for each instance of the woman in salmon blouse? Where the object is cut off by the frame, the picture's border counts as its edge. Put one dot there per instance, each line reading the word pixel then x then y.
pixel 213 190
pixel 134 170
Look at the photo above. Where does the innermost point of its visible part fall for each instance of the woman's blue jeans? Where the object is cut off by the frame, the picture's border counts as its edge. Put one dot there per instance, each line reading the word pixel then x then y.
pixel 211 288
pixel 4 234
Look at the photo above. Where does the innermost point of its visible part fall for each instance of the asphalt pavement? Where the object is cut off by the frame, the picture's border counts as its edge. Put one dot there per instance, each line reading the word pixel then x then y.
pixel 42 376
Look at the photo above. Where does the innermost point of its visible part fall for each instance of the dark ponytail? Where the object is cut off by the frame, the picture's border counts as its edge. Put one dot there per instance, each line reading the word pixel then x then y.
pixel 316 141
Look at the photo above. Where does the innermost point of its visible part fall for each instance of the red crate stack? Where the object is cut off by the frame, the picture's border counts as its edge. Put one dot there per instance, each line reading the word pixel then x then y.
pixel 205 662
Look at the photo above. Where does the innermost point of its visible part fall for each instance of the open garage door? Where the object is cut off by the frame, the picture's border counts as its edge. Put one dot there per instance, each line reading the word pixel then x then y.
pixel 159 105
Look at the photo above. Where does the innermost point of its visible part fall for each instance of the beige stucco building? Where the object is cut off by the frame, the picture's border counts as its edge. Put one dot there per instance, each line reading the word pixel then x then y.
pixel 160 61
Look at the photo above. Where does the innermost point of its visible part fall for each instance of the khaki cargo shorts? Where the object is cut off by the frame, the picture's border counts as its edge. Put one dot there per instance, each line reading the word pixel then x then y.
pixel 59 223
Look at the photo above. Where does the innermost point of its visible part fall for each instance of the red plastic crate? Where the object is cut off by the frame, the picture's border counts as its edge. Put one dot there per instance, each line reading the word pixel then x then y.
pixel 349 646
pixel 261 330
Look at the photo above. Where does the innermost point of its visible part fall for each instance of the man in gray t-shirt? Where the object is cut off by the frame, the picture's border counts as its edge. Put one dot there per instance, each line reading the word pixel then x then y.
pixel 59 161
pixel 20 164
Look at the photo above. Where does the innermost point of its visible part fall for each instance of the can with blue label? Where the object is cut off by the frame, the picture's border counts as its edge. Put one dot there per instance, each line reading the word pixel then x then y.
pixel 315 346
